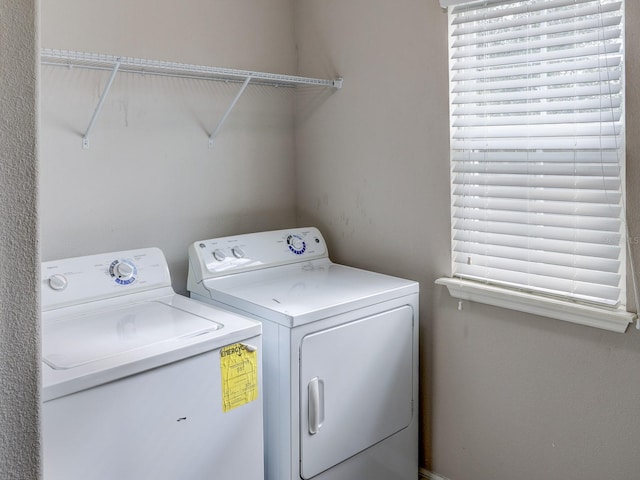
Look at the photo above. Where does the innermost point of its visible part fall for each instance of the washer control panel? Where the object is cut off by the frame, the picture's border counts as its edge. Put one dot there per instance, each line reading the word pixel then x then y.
pixel 235 254
pixel 78 280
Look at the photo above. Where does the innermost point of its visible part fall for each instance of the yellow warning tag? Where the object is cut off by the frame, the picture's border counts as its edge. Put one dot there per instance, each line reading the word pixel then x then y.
pixel 239 366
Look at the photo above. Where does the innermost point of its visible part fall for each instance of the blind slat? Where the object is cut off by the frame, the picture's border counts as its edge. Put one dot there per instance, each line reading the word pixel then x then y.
pixel 539 194
pixel 606 224
pixel 610 251
pixel 564 182
pixel 538 231
pixel 532 168
pixel 530 143
pixel 532 82
pixel 535 31
pixel 533 130
pixel 479 13
pixel 540 206
pixel 539 69
pixel 472 250
pixel 478 27
pixel 597 156
pixel 538 268
pixel 546 56
pixel 543 94
pixel 600 103
pixel 537 119
pixel 528 44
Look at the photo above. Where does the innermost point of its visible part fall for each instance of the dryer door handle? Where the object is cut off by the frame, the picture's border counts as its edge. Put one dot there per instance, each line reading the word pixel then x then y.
pixel 316 405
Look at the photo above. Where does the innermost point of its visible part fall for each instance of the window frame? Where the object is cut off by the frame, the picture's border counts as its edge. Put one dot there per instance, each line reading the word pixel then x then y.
pixel 614 319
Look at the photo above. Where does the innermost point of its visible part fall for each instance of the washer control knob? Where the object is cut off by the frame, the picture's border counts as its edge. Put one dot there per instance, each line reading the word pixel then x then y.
pixel 237 252
pixel 58 281
pixel 219 255
pixel 123 270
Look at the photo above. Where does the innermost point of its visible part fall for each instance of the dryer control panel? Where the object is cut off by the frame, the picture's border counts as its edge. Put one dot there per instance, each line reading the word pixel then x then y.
pixel 229 255
pixel 72 281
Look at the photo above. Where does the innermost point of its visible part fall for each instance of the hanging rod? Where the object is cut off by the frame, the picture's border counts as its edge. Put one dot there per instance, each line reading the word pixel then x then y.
pixel 115 64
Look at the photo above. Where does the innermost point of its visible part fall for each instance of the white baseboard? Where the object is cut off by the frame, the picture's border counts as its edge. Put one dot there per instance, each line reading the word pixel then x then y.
pixel 427 475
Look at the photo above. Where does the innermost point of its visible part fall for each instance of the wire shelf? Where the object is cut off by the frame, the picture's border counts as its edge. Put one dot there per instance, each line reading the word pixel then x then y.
pixel 143 66
pixel 116 64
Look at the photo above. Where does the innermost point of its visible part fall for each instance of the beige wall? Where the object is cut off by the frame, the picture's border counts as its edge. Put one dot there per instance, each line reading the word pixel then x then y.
pixel 372 160
pixel 149 177
pixel 19 262
pixel 505 395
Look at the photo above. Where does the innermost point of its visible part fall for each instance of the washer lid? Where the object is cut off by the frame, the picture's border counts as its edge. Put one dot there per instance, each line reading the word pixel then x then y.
pixel 92 344
pixel 304 292
pixel 78 340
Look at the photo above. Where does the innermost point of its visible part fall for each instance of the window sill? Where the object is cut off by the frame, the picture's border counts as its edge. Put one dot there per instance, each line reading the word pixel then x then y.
pixel 592 316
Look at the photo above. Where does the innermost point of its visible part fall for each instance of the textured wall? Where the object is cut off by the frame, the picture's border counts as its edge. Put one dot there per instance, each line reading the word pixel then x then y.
pixel 505 395
pixel 19 262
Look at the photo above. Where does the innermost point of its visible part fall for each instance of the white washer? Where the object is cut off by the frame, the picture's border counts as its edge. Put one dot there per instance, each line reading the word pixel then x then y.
pixel 340 353
pixel 132 376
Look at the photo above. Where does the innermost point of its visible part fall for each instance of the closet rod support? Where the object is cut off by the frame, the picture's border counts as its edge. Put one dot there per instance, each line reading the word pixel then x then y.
pixel 226 114
pixel 96 112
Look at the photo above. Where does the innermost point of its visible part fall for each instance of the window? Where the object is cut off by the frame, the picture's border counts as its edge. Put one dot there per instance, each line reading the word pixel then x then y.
pixel 537 157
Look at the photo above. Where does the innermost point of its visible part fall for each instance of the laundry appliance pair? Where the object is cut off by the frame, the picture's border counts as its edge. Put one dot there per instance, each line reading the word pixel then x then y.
pixel 142 383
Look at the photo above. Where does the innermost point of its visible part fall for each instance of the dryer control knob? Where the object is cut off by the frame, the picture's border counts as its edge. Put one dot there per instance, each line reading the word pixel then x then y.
pixel 296 244
pixel 219 255
pixel 58 281
pixel 237 252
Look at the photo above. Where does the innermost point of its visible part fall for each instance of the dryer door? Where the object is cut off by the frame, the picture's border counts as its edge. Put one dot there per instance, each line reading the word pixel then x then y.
pixel 356 387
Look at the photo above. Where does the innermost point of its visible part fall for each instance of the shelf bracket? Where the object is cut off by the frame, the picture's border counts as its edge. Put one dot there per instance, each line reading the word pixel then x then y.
pixel 96 112
pixel 226 114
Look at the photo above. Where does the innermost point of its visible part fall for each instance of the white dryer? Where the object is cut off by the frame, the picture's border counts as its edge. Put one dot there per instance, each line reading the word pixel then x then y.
pixel 142 383
pixel 340 353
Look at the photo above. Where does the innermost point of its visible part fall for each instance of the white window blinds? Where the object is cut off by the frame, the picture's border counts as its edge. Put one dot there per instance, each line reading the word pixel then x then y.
pixel 537 146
